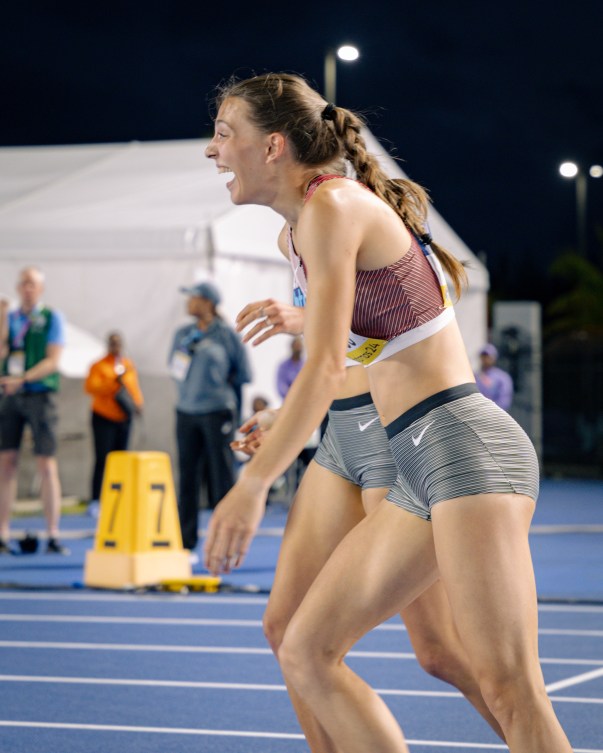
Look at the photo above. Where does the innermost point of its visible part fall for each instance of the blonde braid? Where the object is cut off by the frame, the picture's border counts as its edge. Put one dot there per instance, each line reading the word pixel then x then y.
pixel 408 199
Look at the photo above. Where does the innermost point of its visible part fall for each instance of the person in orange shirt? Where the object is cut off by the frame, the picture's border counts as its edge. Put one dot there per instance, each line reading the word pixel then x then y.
pixel 111 415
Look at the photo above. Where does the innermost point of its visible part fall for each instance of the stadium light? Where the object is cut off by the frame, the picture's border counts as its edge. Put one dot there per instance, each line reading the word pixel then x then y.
pixel 572 170
pixel 346 52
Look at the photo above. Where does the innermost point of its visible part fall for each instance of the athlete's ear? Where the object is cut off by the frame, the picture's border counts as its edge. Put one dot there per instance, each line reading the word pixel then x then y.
pixel 276 146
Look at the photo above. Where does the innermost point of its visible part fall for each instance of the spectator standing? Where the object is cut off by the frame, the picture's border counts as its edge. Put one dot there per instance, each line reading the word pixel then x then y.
pixel 493 382
pixel 290 368
pixel 111 415
pixel 31 341
pixel 285 376
pixel 209 365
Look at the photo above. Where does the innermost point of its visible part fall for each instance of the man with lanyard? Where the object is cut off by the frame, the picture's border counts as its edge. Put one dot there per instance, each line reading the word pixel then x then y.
pixel 209 365
pixel 31 342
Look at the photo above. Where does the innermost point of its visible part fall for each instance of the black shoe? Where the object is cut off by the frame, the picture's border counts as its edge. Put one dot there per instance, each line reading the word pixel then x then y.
pixel 5 547
pixel 54 546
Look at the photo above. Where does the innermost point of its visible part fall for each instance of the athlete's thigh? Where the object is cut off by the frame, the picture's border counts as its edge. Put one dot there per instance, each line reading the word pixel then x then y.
pixel 371 497
pixel 486 567
pixel 326 507
pixel 381 566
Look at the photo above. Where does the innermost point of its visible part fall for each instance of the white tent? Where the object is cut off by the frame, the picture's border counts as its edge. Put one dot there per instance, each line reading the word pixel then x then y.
pixel 118 228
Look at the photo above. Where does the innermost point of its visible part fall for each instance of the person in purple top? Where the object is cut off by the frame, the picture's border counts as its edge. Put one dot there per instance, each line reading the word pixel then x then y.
pixel 493 382
pixel 285 376
pixel 289 369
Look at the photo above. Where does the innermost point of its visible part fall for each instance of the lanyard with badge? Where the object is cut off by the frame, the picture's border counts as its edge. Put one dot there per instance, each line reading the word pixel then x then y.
pixel 181 358
pixel 15 364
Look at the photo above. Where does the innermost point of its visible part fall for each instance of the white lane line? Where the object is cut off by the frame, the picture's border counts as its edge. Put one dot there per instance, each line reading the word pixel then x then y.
pixel 125 597
pixel 143 683
pixel 251 687
pixel 582 633
pixel 134 647
pixel 76 618
pixel 576 680
pixel 231 733
pixel 214 599
pixel 573 662
pixel 575 699
pixel 208 622
pixel 567 528
pixel 571 608
pixel 78 646
pixel 152 730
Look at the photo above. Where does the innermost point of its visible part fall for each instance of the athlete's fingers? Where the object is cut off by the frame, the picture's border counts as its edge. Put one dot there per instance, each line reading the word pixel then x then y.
pixel 251 312
pixel 255 330
pixel 275 329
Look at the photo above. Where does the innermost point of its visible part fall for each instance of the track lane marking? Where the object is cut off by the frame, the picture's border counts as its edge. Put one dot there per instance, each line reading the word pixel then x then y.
pixel 575 680
pixel 209 622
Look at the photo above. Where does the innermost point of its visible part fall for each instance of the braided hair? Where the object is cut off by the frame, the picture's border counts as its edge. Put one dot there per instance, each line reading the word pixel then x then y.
pixel 322 134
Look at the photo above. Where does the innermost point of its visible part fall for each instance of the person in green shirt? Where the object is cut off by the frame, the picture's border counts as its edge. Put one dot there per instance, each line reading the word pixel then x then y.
pixel 31 341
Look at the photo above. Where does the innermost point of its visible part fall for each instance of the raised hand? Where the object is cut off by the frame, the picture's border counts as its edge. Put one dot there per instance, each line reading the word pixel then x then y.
pixel 271 318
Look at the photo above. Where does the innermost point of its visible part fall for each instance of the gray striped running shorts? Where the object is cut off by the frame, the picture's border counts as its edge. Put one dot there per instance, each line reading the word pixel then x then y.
pixel 458 443
pixel 355 445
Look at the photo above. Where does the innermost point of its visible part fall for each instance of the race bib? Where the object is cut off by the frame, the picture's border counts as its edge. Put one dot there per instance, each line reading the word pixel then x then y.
pixel 364 350
pixel 179 365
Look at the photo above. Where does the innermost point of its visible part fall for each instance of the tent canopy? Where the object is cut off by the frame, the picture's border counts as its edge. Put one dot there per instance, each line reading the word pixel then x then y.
pixel 119 227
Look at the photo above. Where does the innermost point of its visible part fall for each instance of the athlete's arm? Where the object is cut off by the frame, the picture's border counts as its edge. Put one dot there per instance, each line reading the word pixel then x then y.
pixel 328 236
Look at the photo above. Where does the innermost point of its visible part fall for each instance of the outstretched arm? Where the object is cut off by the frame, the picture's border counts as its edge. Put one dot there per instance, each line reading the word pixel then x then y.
pixel 329 239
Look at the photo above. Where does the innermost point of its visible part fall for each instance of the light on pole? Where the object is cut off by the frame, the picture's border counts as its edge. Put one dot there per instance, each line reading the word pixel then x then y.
pixel 572 170
pixel 346 52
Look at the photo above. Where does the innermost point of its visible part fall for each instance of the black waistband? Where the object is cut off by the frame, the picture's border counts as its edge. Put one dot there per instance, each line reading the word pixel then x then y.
pixel 356 401
pixel 431 402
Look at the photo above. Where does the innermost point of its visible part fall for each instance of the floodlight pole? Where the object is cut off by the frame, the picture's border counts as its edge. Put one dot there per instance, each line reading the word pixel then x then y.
pixel 581 188
pixel 330 75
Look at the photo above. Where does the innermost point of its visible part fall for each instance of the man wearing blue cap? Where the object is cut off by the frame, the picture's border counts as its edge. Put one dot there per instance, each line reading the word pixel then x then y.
pixel 209 366
pixel 493 382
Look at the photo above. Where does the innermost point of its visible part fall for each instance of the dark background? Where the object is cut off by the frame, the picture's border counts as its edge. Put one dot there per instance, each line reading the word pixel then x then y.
pixel 482 101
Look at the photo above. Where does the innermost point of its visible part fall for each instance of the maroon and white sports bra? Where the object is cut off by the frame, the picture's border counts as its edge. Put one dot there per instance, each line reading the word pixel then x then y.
pixel 395 306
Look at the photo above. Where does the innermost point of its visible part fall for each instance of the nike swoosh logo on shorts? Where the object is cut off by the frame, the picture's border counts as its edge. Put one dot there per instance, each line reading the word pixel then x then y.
pixel 362 427
pixel 417 440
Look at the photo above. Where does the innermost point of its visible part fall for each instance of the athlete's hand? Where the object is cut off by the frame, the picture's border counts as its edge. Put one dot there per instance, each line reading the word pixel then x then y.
pixel 233 525
pixel 271 318
pixel 254 430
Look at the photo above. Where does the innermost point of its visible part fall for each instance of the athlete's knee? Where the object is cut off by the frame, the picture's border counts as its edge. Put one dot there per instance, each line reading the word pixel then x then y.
pixel 438 662
pixel 511 689
pixel 305 658
pixel 274 624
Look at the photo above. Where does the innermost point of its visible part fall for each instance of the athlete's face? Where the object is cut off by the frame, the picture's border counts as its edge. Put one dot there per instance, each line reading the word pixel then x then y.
pixel 240 148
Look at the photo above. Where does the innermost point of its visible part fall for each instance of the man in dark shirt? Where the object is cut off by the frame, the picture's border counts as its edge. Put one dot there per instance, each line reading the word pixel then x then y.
pixel 209 365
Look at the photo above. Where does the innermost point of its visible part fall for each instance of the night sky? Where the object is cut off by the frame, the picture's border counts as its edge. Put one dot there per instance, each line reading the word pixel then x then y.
pixel 481 101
